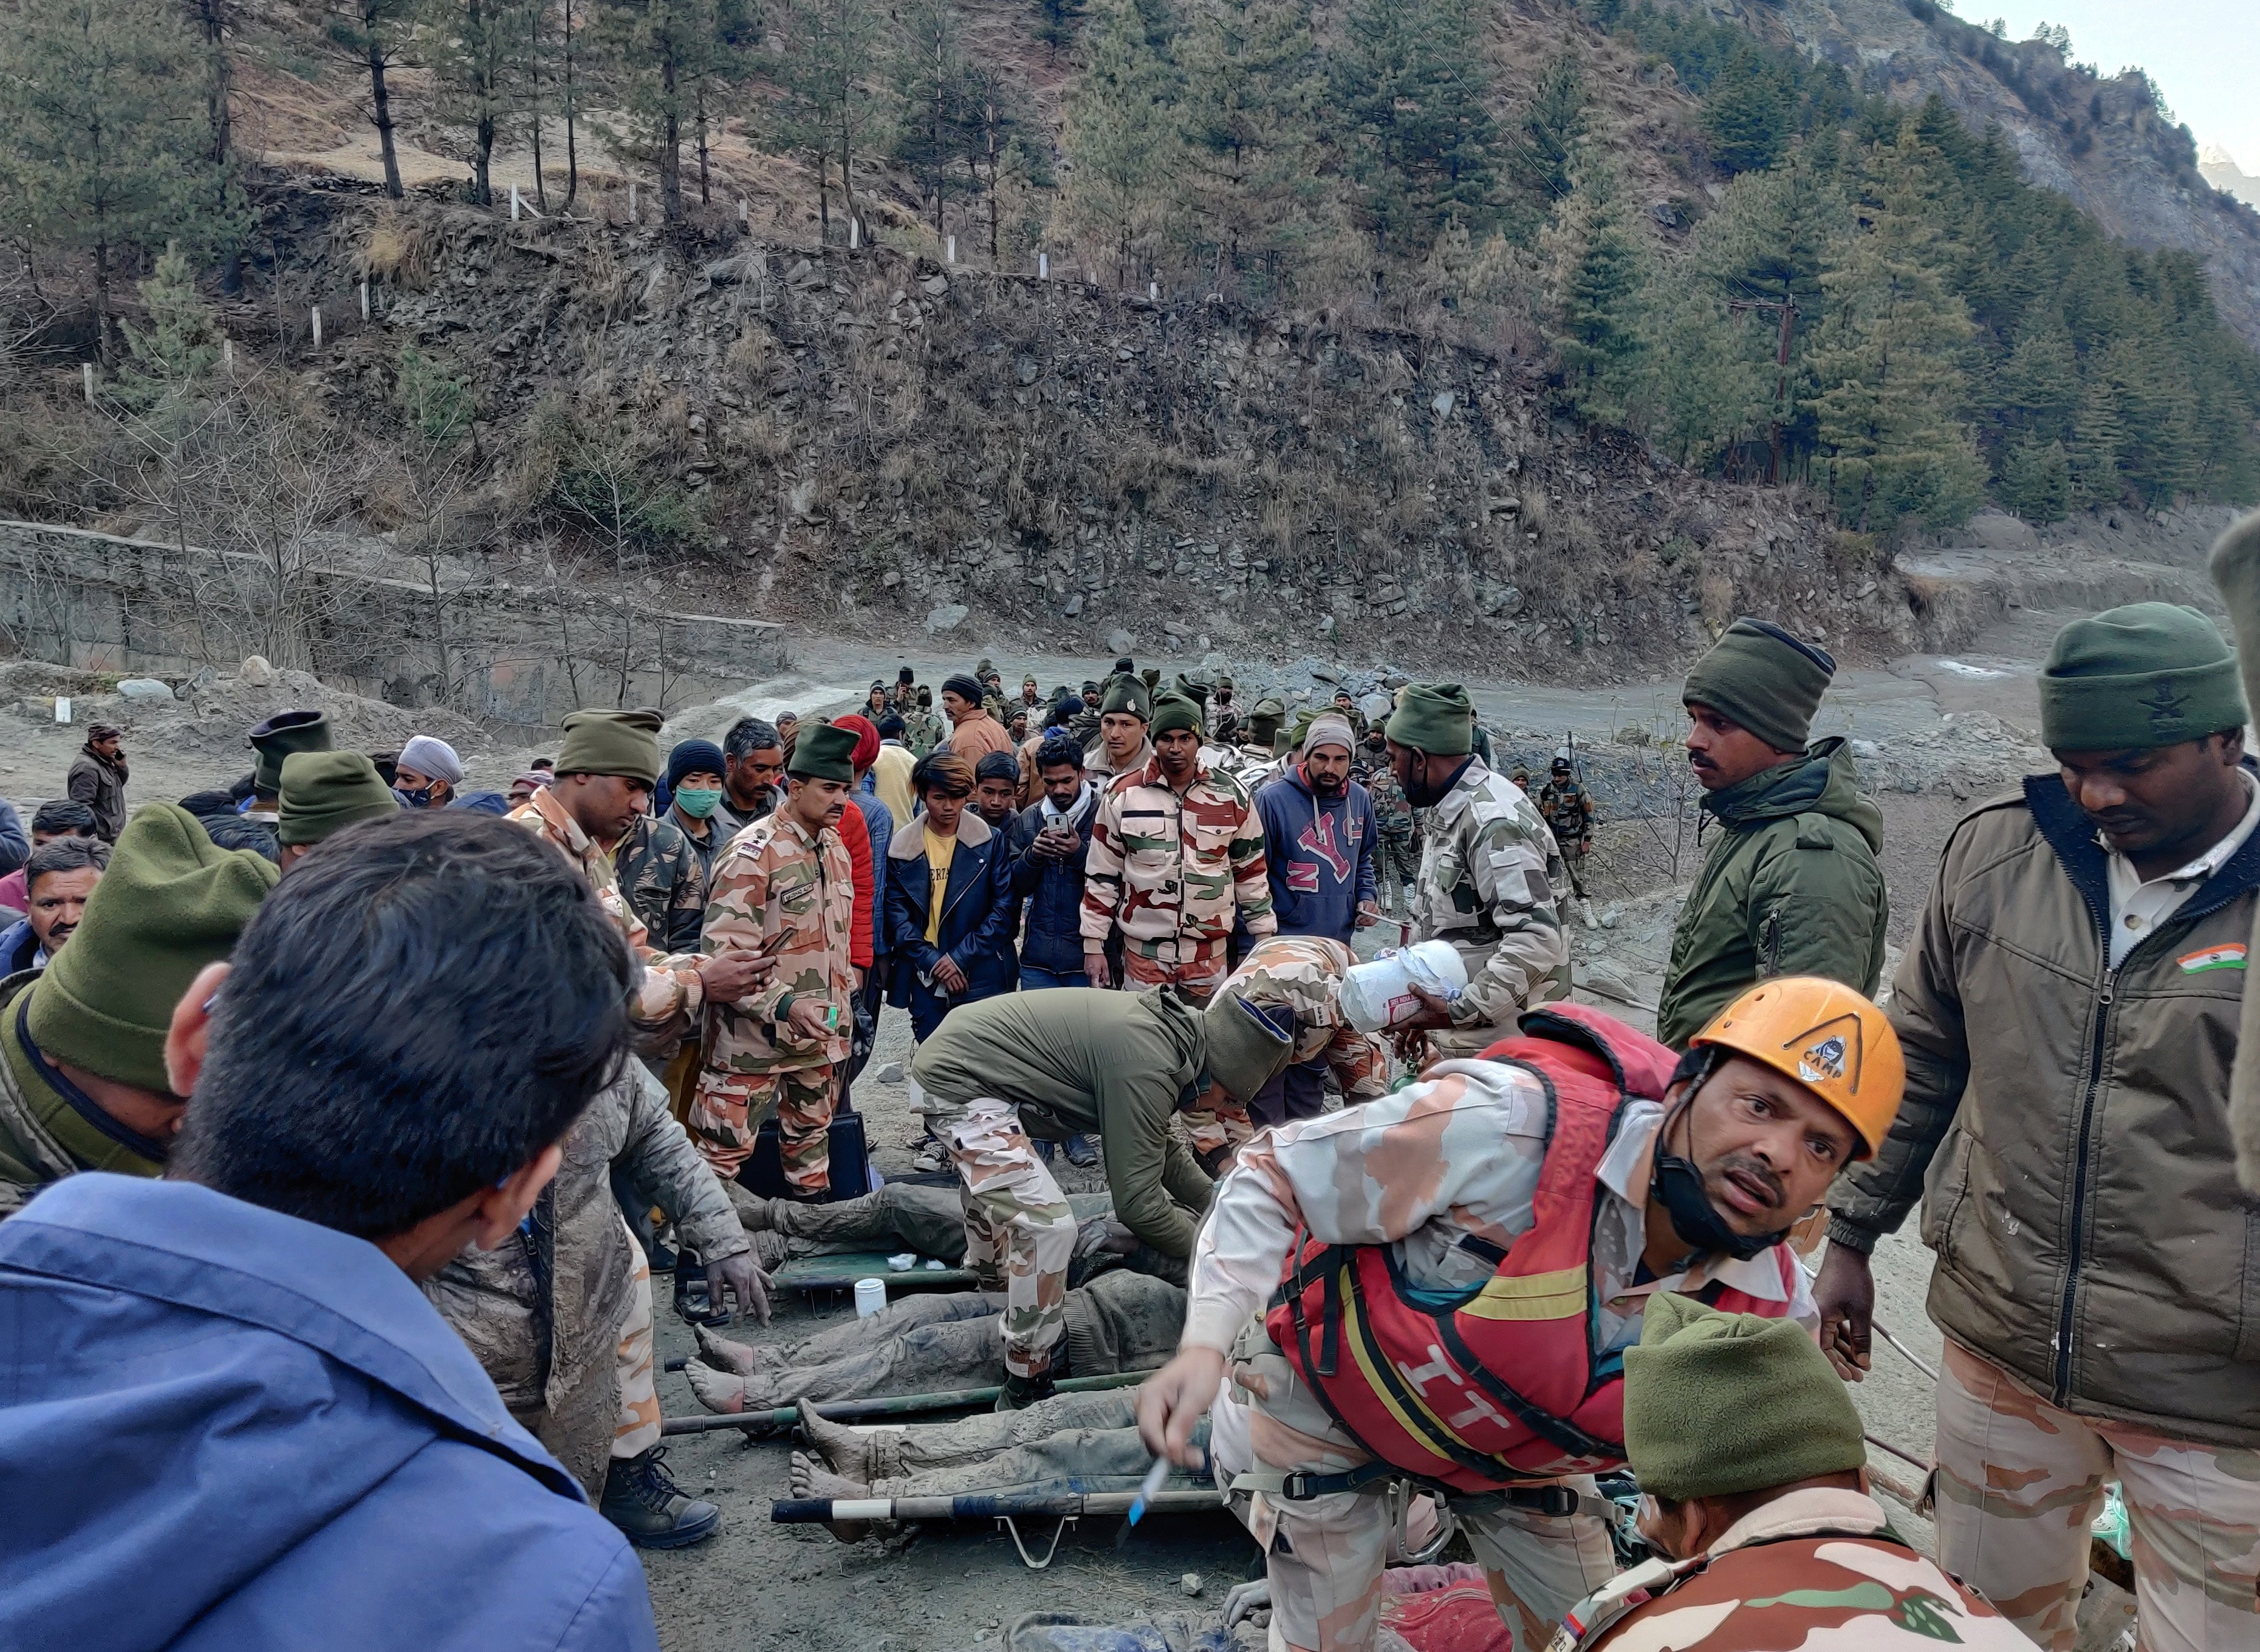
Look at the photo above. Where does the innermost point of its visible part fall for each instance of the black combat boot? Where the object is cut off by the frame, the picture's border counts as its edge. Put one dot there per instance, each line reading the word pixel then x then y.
pixel 643 1502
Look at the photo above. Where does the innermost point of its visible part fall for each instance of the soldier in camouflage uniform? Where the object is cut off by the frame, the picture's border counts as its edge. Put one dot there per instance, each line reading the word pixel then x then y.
pixel 1083 725
pixel 1397 834
pixel 1303 974
pixel 786 888
pixel 1176 854
pixel 664 879
pixel 1488 870
pixel 1567 808
pixel 923 729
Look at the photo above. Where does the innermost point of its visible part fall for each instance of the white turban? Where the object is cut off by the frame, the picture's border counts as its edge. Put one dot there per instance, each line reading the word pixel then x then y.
pixel 434 757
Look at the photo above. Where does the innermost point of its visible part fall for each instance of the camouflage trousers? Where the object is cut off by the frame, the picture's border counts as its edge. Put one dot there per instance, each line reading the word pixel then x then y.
pixel 1018 1226
pixel 637 1430
pixel 727 1111
pixel 1396 863
pixel 2019 1483
pixel 1325 1579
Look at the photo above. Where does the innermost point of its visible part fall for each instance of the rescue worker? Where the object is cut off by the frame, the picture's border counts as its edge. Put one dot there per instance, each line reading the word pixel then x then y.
pixel 271 741
pixel 1790 885
pixel 1488 867
pixel 2070 1003
pixel 1176 857
pixel 1123 746
pixel 1752 1465
pixel 1451 1272
pixel 1077 1061
pixel 1397 838
pixel 1567 808
pixel 323 793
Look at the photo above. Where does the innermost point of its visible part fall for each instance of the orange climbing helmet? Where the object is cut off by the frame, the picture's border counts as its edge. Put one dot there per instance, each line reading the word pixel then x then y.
pixel 1827 1037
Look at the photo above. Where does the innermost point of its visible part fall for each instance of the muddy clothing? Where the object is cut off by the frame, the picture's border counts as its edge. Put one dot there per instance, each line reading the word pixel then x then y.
pixel 43 1137
pixel 1068 1443
pixel 670 994
pixel 779 891
pixel 99 782
pixel 547 1312
pixel 664 878
pixel 1488 867
pixel 1816 1567
pixel 1790 887
pixel 1567 808
pixel 2066 1126
pixel 1172 871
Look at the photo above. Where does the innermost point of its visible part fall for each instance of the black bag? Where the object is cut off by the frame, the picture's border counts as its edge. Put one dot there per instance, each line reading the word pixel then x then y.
pixel 763 1172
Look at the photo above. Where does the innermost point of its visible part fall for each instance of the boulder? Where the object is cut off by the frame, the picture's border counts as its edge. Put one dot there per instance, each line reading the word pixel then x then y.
pixel 145 689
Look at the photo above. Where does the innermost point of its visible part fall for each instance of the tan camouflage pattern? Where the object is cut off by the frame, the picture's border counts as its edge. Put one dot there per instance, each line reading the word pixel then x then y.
pixel 1568 808
pixel 664 881
pixel 2019 1482
pixel 1172 873
pixel 637 1430
pixel 1100 769
pixel 1488 868
pixel 1019 1229
pixel 670 986
pixel 1325 1579
pixel 728 1109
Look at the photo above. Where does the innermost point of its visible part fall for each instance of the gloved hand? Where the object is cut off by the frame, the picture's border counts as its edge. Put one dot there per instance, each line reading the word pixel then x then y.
pixel 748 1287
pixel 1245 1599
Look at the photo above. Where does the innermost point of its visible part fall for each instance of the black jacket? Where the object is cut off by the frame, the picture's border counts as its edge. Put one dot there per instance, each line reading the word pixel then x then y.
pixel 976 915
pixel 1053 939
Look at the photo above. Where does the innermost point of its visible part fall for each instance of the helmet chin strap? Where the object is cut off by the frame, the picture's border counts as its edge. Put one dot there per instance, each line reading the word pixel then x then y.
pixel 1679 1185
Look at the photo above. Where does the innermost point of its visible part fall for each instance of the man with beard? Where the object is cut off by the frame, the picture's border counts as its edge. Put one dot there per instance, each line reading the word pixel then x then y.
pixel 1318 833
pixel 753 775
pixel 61 875
pixel 97 779
pixel 1488 868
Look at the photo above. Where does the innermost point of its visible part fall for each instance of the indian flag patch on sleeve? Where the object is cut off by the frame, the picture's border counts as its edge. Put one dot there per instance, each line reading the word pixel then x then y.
pixel 2213 958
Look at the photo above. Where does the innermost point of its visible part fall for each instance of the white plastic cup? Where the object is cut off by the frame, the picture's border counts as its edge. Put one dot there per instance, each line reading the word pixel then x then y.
pixel 870 1297
pixel 1377 996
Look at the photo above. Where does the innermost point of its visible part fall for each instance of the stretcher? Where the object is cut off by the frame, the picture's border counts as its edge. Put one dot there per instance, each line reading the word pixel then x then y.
pixel 762 1423
pixel 838 1271
pixel 1006 1508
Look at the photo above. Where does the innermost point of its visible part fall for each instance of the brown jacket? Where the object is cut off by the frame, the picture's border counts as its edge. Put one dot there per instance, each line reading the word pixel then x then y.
pixel 2066 1126
pixel 100 784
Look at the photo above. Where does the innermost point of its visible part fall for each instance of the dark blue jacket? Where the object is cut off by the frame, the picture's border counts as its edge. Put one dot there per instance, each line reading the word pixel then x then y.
pixel 977 910
pixel 222 1427
pixel 1053 939
pixel 1319 854
pixel 18 947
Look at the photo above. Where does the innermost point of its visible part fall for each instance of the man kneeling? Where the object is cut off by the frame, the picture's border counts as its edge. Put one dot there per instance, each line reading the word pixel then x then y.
pixel 1454 1273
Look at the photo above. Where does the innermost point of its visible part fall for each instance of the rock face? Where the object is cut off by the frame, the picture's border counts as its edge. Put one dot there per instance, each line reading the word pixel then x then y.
pixel 2105 144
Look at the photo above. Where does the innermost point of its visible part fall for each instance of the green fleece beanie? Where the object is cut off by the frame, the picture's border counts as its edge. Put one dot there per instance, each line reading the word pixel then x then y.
pixel 1193 687
pixel 277 737
pixel 1759 676
pixel 1716 1404
pixel 325 791
pixel 1125 693
pixel 169 904
pixel 1175 711
pixel 1435 718
pixel 2133 678
pixel 1248 1047
pixel 824 752
pixel 625 743
pixel 1263 722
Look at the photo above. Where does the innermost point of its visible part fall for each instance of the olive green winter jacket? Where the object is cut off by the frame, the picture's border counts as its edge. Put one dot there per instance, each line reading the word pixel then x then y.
pixel 1790 887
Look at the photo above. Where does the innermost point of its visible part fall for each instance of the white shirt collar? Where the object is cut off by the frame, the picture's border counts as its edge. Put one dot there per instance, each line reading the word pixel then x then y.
pixel 1759 1277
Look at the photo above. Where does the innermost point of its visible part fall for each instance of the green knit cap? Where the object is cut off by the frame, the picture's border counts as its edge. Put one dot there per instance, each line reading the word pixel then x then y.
pixel 1716 1404
pixel 1759 676
pixel 169 904
pixel 1435 718
pixel 624 743
pixel 1175 711
pixel 824 752
pixel 1263 722
pixel 277 737
pixel 1248 1046
pixel 325 791
pixel 1192 685
pixel 1151 676
pixel 1125 693
pixel 2145 675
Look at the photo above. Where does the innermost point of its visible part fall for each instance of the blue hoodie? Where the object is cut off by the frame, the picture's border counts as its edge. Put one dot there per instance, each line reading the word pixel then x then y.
pixel 1319 852
pixel 224 1428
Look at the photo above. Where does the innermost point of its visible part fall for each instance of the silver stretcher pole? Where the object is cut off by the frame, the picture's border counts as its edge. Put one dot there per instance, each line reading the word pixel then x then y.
pixel 1006 1508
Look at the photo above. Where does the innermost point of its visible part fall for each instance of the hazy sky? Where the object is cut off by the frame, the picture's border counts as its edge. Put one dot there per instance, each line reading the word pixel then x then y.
pixel 2203 54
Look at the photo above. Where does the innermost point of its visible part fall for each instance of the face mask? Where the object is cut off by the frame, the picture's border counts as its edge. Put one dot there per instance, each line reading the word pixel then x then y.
pixel 420 799
pixel 697 803
pixel 1679 1185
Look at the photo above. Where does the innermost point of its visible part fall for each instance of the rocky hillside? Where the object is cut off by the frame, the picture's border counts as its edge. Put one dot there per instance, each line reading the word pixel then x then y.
pixel 2104 144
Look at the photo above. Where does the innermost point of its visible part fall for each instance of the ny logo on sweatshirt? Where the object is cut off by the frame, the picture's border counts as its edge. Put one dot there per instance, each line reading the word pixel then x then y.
pixel 1318 838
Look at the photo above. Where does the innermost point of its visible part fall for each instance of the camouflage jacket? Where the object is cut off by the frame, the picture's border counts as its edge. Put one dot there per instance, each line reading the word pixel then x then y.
pixel 670 986
pixel 1100 769
pixel 780 892
pixel 1084 726
pixel 1392 814
pixel 922 731
pixel 1567 808
pixel 1304 973
pixel 1815 1567
pixel 1486 885
pixel 1172 873
pixel 664 879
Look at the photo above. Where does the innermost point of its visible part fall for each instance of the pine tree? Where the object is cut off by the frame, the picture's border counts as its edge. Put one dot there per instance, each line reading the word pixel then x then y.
pixel 2159 456
pixel 476 55
pixel 2037 480
pixel 659 55
pixel 827 109
pixel 1888 362
pixel 2038 385
pixel 1599 270
pixel 1550 131
pixel 372 33
pixel 1745 116
pixel 1697 388
pixel 1003 145
pixel 94 95
pixel 2097 435
pixel 176 349
pixel 933 90
pixel 1123 139
pixel 1251 98
pixel 1410 82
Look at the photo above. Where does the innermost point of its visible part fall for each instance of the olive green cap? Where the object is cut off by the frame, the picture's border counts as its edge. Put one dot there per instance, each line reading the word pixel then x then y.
pixel 277 737
pixel 325 791
pixel 1435 718
pixel 625 743
pixel 1125 693
pixel 824 751
pixel 2136 678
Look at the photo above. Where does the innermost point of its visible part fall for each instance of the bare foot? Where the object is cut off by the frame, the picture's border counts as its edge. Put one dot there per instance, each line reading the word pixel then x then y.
pixel 847 1450
pixel 722 1391
pixel 808 1480
pixel 724 1355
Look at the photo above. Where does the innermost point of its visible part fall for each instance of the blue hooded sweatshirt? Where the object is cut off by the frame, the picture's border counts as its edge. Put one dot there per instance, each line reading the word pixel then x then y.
pixel 225 1427
pixel 1319 852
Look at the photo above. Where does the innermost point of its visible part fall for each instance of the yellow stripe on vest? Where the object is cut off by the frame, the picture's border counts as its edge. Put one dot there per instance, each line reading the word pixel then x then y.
pixel 1385 1387
pixel 1558 1295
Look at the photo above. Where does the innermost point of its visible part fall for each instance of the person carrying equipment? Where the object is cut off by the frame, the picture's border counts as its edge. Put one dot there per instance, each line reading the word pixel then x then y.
pixel 1447 1279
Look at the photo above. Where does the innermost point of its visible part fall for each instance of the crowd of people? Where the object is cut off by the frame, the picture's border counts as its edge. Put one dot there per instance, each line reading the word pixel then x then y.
pixel 347 1112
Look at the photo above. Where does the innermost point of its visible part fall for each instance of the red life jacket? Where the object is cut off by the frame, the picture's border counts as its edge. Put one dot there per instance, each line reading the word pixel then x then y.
pixel 1509 1383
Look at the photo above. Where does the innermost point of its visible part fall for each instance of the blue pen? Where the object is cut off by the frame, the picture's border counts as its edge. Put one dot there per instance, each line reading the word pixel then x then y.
pixel 1156 1477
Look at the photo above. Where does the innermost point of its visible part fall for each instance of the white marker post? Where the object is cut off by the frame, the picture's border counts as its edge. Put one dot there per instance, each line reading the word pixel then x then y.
pixel 855 233
pixel 513 204
pixel 632 204
pixel 952 255
pixel 1154 291
pixel 86 377
pixel 62 708
pixel 745 216
pixel 228 357
pixel 317 313
pixel 364 301
pixel 1043 266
